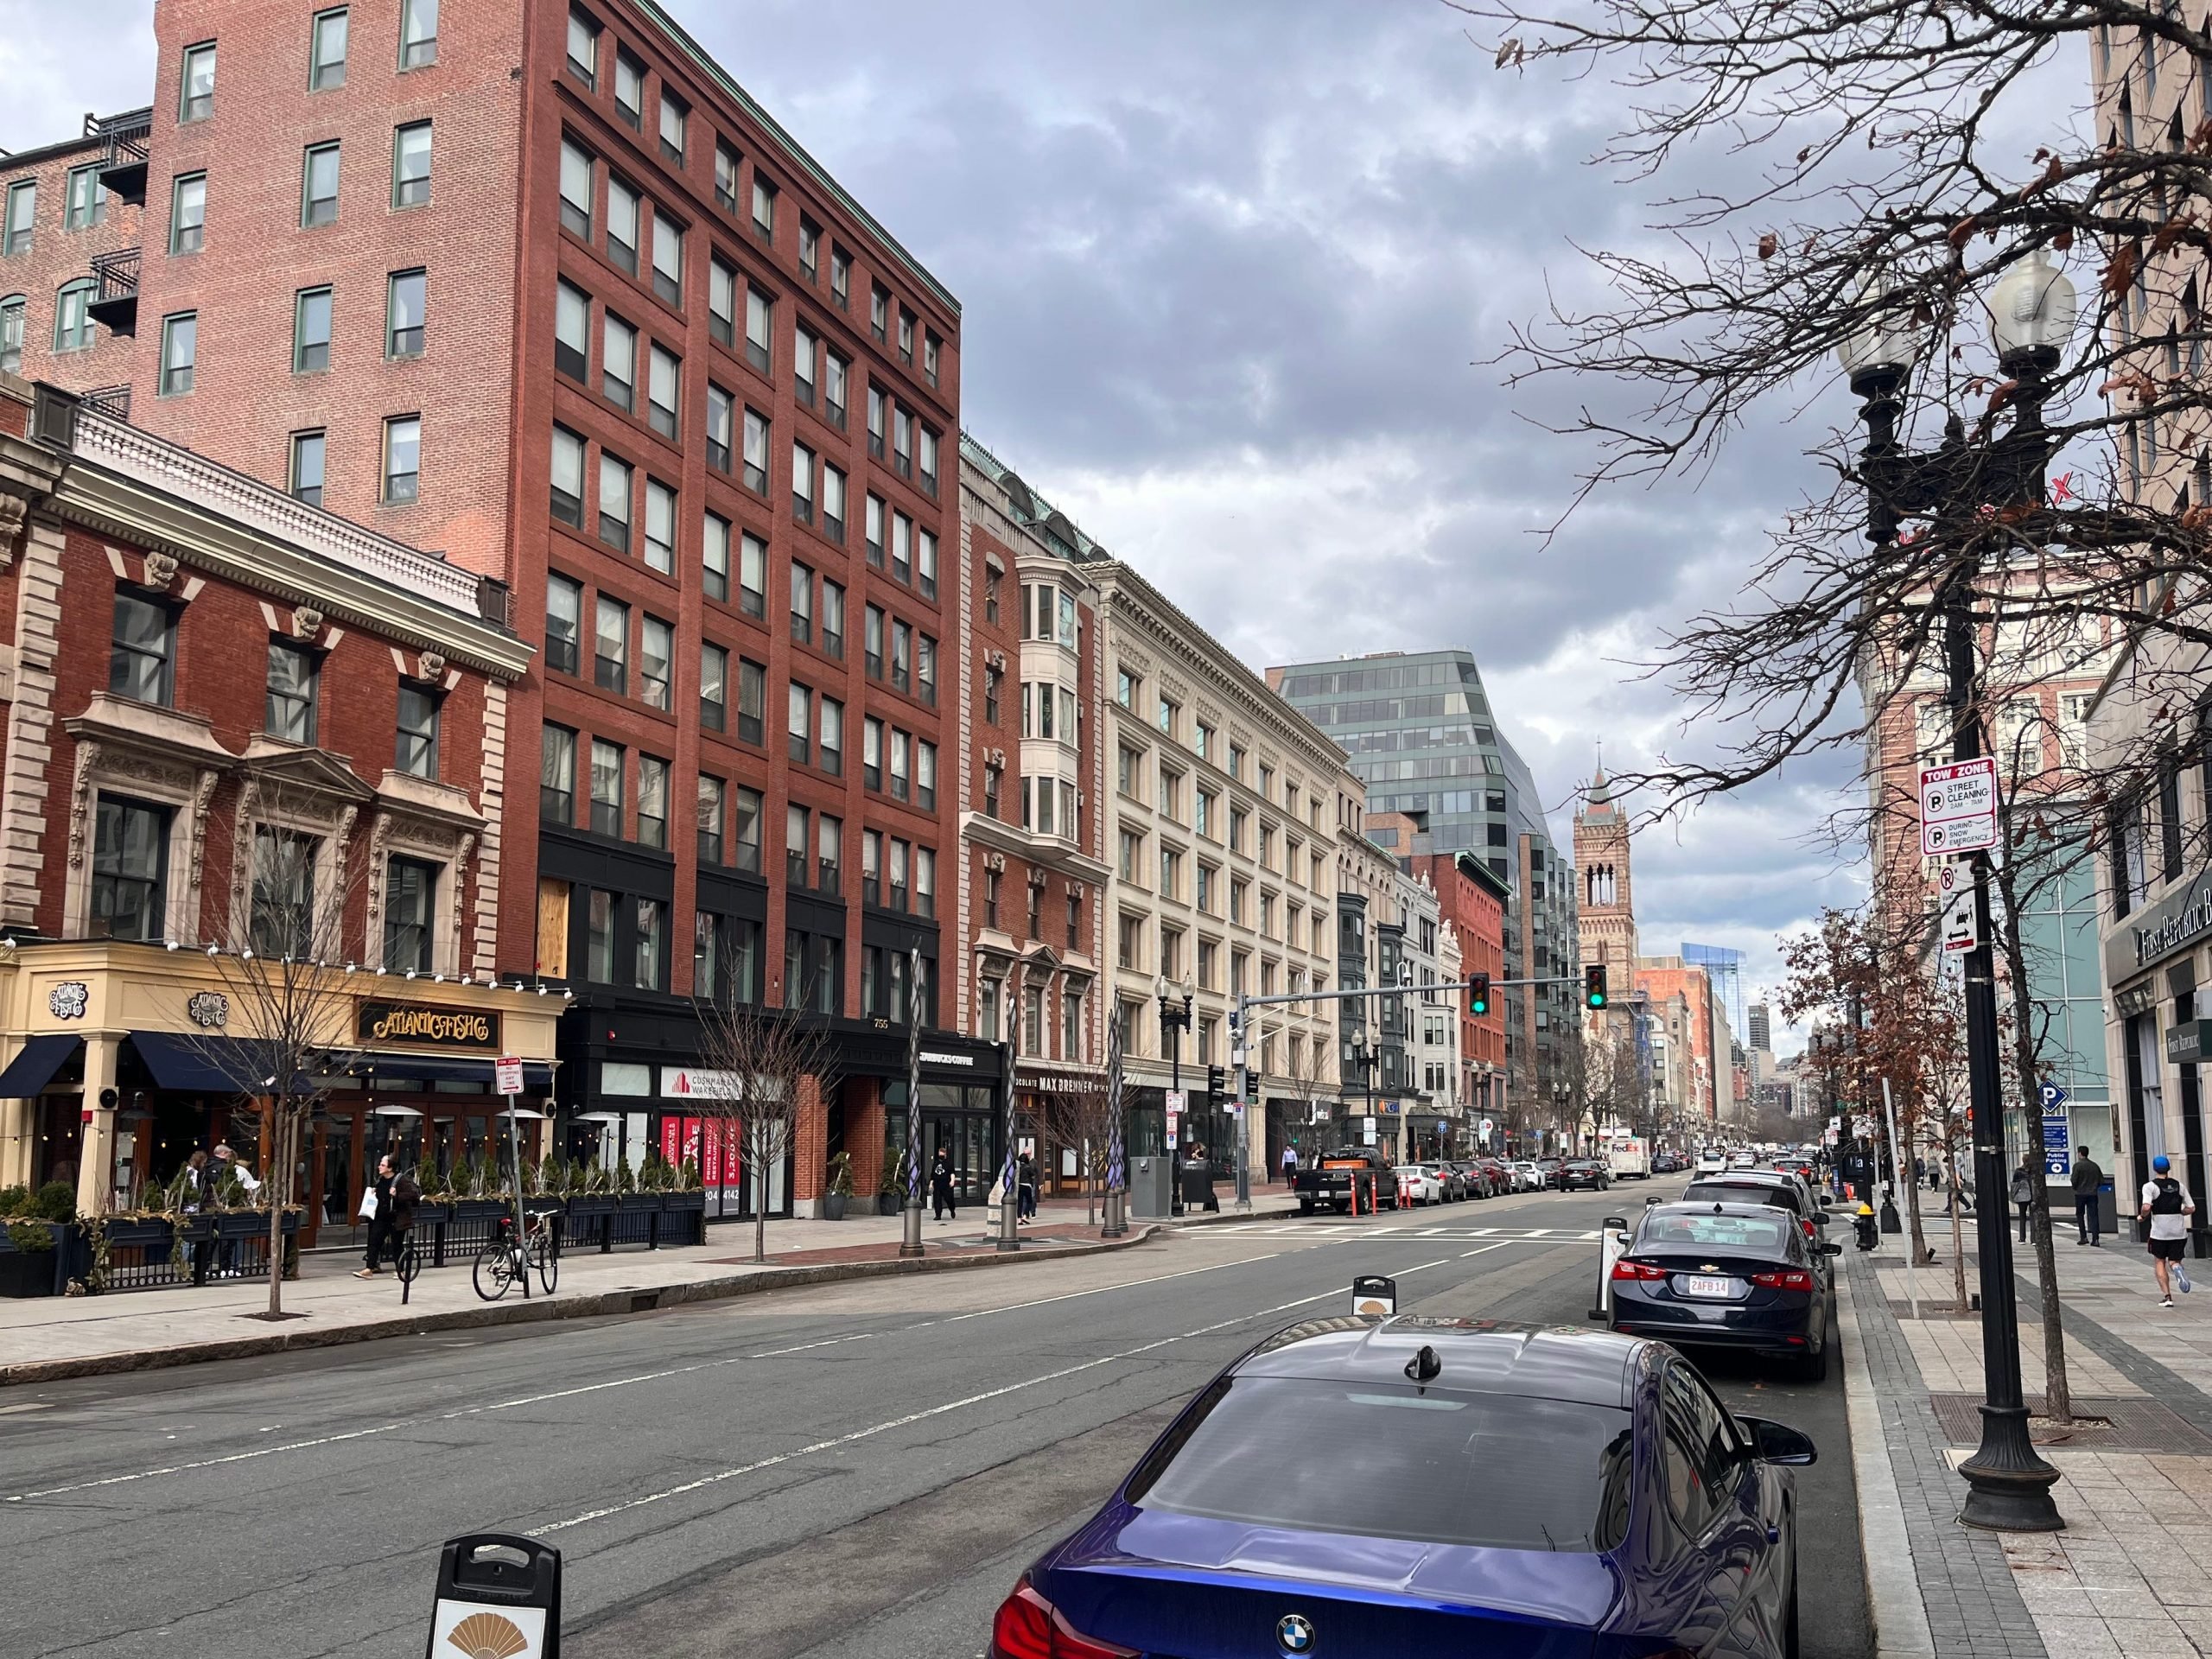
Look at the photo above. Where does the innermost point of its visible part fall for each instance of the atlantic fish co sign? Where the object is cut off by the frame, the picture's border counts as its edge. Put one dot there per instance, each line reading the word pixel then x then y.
pixel 427 1026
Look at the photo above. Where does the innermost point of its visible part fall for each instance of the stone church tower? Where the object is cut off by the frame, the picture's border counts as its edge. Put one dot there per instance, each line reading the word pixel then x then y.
pixel 1607 915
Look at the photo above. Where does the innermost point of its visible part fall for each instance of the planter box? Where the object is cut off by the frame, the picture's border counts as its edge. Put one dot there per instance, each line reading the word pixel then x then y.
pixel 155 1234
pixel 887 1203
pixel 591 1204
pixel 241 1224
pixel 196 1229
pixel 32 1273
pixel 481 1209
pixel 428 1214
pixel 833 1206
pixel 640 1203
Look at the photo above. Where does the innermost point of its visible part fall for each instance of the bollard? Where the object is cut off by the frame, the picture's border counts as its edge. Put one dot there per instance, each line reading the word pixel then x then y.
pixel 1609 1251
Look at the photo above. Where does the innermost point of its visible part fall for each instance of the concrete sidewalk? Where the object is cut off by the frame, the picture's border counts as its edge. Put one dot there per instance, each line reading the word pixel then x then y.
pixel 44 1339
pixel 2132 1573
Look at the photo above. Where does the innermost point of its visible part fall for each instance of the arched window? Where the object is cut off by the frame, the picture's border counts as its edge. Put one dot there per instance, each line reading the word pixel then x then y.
pixel 11 333
pixel 73 322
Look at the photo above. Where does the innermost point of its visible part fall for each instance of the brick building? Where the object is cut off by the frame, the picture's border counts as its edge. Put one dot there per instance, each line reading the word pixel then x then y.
pixel 1033 874
pixel 542 288
pixel 1682 999
pixel 58 225
pixel 160 770
pixel 1471 900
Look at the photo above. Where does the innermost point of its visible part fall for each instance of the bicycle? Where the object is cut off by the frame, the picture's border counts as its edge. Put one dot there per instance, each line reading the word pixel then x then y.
pixel 506 1259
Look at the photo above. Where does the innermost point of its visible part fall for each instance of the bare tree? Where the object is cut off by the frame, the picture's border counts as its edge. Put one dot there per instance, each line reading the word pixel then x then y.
pixel 282 959
pixel 1078 1117
pixel 760 1063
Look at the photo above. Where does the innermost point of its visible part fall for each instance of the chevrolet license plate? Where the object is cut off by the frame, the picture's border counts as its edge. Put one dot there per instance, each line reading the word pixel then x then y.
pixel 1698 1285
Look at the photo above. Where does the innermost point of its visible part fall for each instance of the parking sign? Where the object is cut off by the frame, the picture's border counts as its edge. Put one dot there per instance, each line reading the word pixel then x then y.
pixel 1958 806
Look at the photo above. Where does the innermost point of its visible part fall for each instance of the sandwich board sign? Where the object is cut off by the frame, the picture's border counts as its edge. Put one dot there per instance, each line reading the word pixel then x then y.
pixel 1373 1296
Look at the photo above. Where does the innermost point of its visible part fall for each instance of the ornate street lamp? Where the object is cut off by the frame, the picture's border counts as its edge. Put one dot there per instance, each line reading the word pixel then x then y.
pixel 2032 311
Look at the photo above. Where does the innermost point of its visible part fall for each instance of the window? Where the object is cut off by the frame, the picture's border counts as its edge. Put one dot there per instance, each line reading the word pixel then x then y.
pixel 614 502
pixel 22 213
pixel 833 618
pixel 806 351
pixel 841 277
pixel 557 775
pixel 721 303
pixel 747 830
pixel 618 363
pixel 660 527
pixel 411 887
pixel 925 774
pixel 674 118
pixel 418 33
pixel 129 868
pixel 327 51
pixel 1168 709
pixel 649 975
pixel 664 394
pixel 656 657
pixel 764 209
pixel 906 336
pixel 874 424
pixel 417 748
pixel 878 312
pixel 180 348
pixel 902 656
pixel 872 753
pixel 11 332
pixel 833 503
pixel 564 614
pixel 799 730
pixel 306 471
pixel 756 452
pixel 311 331
pixel 291 693
pixel 1125 688
pixel 796 834
pixel 652 801
pixel 726 163
pixel 809 248
pixel 405 312
pixel 752 575
pixel 187 213
pixel 568 477
pixel 876 530
pixel 902 749
pixel 668 258
pixel 924 882
pixel 583 48
pixel 802 483
pixel 902 442
pixel 1202 821
pixel 708 815
pixel 902 547
pixel 802 603
pixel 197 89
pixel 926 563
pixel 714 557
pixel 629 89
pixel 576 190
pixel 611 646
pixel 872 642
pixel 1207 876
pixel 929 459
pixel 831 744
pixel 1130 941
pixel 829 854
pixel 319 185
pixel 721 413
pixel 760 312
pixel 402 458
pixel 622 209
pixel 605 787
pixel 599 937
pixel 901 854
pixel 751 701
pixel 410 165
pixel 925 669
pixel 713 687
pixel 72 318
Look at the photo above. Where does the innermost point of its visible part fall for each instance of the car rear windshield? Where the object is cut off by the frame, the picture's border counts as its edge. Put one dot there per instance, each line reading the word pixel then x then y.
pixel 1781 1198
pixel 1695 1230
pixel 1431 1466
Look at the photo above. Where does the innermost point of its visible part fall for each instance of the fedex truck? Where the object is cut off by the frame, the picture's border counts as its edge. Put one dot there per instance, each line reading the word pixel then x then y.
pixel 1628 1157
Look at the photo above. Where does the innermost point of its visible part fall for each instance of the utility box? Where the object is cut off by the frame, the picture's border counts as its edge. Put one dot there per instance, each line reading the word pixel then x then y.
pixel 1150 1186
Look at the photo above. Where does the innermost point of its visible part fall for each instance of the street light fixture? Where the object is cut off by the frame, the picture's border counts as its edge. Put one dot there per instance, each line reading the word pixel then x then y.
pixel 1175 1021
pixel 2032 311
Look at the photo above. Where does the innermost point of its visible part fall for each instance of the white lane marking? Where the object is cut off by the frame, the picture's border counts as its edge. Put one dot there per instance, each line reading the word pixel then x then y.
pixel 832 1342
pixel 924 1414
pixel 1486 1249
pixel 203 1462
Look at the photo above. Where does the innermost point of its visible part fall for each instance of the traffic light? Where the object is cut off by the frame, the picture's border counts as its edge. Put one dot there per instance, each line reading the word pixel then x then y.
pixel 1593 985
pixel 1479 996
pixel 1217 1082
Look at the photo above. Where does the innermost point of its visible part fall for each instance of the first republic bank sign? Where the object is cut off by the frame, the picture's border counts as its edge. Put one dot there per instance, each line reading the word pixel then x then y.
pixel 2172 926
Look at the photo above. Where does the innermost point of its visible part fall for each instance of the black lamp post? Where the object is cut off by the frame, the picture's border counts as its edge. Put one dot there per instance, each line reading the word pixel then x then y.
pixel 1366 1056
pixel 2033 310
pixel 1175 1021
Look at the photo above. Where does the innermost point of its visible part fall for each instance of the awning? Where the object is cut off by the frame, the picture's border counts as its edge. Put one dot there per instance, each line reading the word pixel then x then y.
pixel 201 1066
pixel 536 1074
pixel 34 1065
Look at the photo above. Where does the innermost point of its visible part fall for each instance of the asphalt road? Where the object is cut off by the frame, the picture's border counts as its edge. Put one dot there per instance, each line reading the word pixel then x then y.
pixel 855 1470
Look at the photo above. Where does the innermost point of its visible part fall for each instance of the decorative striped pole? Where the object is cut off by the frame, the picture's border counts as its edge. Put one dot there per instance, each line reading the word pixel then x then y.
pixel 911 1245
pixel 1117 1222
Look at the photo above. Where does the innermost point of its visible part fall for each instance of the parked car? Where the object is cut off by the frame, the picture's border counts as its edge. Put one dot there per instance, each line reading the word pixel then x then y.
pixel 1495 1172
pixel 1336 1177
pixel 1473 1176
pixel 1448 1176
pixel 1419 1182
pixel 1551 1167
pixel 1527 1177
pixel 1584 1173
pixel 1778 1189
pixel 1219 1541
pixel 1666 1163
pixel 1725 1275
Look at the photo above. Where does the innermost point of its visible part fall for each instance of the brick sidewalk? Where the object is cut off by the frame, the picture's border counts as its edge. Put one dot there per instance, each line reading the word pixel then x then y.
pixel 2131 1576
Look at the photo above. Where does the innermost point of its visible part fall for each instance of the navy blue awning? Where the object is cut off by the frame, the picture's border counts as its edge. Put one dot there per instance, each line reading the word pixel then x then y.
pixel 201 1066
pixel 536 1074
pixel 35 1063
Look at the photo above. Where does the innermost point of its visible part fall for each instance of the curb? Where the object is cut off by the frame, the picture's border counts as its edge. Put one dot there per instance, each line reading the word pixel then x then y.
pixel 599 1305
pixel 1894 1600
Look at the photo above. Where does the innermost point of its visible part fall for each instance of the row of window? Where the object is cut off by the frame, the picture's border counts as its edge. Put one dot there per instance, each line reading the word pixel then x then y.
pixel 1300 867
pixel 1276 919
pixel 142 666
pixel 673 129
pixel 1133 929
pixel 1032 1035
pixel 84 205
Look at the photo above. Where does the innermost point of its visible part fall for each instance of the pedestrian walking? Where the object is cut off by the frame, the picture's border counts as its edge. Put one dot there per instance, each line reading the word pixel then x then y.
pixel 198 1192
pixel 2086 1179
pixel 1025 1175
pixel 226 1162
pixel 2165 1204
pixel 2022 1192
pixel 1290 1165
pixel 376 1210
pixel 941 1195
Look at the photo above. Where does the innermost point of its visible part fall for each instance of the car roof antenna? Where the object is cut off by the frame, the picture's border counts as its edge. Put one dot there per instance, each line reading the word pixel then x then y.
pixel 1425 1366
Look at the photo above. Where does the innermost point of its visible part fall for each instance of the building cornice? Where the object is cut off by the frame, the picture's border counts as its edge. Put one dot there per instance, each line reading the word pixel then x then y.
pixel 1052 854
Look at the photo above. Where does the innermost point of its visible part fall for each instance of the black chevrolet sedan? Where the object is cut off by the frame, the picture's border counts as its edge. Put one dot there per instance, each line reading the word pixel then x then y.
pixel 1584 1173
pixel 1725 1275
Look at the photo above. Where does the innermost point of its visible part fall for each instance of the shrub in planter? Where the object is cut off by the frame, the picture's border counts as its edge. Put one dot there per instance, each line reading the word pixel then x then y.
pixel 29 1266
pixel 55 1201
pixel 14 1201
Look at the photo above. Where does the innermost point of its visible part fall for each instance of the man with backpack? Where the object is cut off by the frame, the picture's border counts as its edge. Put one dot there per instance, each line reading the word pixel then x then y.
pixel 2167 1206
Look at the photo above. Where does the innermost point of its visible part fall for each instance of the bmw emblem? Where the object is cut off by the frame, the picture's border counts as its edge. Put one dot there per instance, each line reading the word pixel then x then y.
pixel 1294 1633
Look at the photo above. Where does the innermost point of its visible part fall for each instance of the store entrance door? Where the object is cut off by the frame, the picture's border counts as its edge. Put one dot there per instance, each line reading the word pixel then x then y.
pixel 970 1140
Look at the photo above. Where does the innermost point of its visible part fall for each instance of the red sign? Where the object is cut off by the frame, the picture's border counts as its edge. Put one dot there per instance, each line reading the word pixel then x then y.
pixel 703 1139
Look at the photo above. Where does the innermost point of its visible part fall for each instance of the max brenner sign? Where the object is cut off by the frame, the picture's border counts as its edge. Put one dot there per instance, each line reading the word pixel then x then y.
pixel 2172 925
pixel 432 1028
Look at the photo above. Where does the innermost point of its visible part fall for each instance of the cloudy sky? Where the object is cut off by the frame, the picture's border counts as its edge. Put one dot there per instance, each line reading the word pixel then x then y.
pixel 1230 273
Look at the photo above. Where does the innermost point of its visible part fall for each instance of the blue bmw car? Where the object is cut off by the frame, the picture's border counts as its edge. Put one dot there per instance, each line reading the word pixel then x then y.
pixel 1353 1488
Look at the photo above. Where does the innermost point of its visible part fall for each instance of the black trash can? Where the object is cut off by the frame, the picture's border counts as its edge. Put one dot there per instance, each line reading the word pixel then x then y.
pixel 1198 1186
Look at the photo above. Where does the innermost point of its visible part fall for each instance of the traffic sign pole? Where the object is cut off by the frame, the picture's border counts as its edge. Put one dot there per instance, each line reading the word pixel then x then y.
pixel 506 1075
